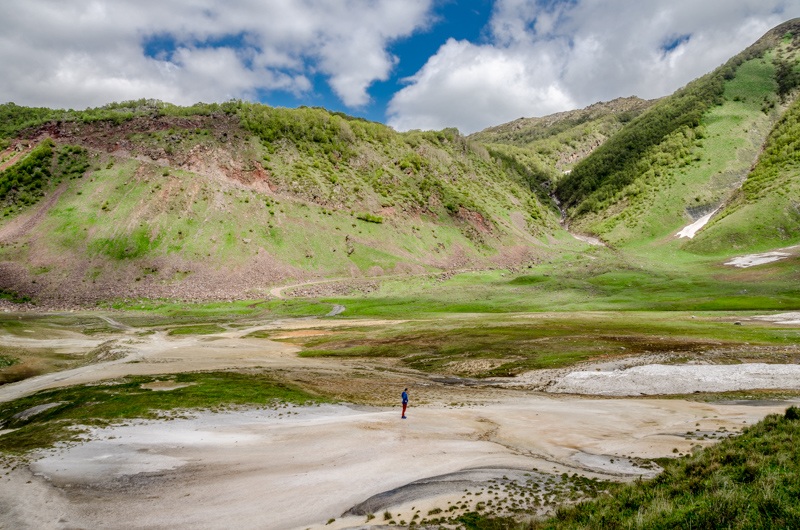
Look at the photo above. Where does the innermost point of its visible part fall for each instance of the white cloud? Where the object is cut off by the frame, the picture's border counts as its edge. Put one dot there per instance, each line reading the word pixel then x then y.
pixel 73 53
pixel 544 57
pixel 467 86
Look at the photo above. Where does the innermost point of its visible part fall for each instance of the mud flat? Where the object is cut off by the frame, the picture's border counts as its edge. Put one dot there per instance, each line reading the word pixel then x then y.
pixel 657 379
pixel 299 467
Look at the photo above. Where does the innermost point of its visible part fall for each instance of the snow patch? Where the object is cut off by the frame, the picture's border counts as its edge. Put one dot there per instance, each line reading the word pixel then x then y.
pixel 691 230
pixel 751 260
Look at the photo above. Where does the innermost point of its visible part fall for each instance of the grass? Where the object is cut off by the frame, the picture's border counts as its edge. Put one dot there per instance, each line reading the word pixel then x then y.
pixel 646 279
pixel 115 401
pixel 750 481
pixel 167 313
pixel 693 170
pixel 505 345
pixel 202 329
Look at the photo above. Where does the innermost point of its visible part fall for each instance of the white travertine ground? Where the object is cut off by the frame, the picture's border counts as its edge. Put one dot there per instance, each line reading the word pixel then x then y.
pixel 658 379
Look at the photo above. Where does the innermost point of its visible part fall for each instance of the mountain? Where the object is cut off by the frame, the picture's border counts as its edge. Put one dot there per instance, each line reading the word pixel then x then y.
pixel 146 199
pixel 688 155
pixel 565 138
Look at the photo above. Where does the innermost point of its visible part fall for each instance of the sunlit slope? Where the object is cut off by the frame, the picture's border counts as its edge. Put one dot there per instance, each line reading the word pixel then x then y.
pixel 765 212
pixel 216 201
pixel 546 148
pixel 682 158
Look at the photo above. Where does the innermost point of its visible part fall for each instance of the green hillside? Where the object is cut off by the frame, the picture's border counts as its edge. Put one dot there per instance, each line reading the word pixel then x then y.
pixel 685 155
pixel 546 148
pixel 562 139
pixel 148 199
pixel 765 212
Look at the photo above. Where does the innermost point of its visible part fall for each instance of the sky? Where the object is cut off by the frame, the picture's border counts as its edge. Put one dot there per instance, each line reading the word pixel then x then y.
pixel 413 64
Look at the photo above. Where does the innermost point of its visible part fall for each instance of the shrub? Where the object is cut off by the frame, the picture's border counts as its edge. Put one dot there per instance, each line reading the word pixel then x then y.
pixel 368 217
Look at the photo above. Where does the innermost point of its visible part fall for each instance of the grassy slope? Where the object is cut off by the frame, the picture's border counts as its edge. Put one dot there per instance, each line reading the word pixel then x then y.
pixel 765 212
pixel 560 140
pixel 309 196
pixel 692 168
pixel 750 481
pixel 545 148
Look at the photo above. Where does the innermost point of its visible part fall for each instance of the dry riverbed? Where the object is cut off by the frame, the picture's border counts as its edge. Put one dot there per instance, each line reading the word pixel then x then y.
pixel 497 446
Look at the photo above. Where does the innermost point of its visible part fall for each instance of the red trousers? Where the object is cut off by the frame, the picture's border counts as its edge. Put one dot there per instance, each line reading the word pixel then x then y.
pixel 404 408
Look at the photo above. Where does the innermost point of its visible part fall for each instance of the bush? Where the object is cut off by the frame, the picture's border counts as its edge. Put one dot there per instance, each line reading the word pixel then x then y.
pixel 368 217
pixel 32 173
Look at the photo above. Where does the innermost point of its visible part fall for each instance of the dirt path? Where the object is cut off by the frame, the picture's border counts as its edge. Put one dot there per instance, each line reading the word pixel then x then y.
pixel 23 224
pixel 277 292
pixel 17 157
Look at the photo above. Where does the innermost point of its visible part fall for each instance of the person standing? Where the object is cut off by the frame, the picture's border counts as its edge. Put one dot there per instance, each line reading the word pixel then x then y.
pixel 405 403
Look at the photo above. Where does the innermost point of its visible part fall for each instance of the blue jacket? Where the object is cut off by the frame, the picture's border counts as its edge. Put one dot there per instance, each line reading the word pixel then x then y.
pixel 405 397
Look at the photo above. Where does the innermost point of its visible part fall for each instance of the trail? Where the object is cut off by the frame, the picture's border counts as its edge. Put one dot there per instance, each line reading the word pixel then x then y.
pixel 277 292
pixel 23 224
pixel 17 157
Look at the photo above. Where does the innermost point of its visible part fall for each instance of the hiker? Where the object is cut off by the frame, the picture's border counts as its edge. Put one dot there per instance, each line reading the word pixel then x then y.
pixel 405 403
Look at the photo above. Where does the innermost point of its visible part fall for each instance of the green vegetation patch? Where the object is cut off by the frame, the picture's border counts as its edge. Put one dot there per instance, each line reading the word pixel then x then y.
pixel 6 361
pixel 15 297
pixel 751 481
pixel 113 401
pixel 24 182
pixel 203 329
pixel 506 345
pixel 370 218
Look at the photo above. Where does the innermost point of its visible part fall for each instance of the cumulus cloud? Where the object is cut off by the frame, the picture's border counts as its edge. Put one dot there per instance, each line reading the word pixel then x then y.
pixel 546 56
pixel 72 53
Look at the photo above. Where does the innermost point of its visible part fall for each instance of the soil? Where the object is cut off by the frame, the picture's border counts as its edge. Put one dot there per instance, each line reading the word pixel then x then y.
pixel 250 466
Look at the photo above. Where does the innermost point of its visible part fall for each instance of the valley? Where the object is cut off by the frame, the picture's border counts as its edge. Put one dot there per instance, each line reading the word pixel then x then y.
pixel 208 313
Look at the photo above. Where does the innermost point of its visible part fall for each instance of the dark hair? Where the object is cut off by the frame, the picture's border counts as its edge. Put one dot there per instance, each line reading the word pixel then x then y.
pixel 405 389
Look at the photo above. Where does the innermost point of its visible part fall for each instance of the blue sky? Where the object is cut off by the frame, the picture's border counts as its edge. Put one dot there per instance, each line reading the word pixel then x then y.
pixel 425 64
pixel 451 19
